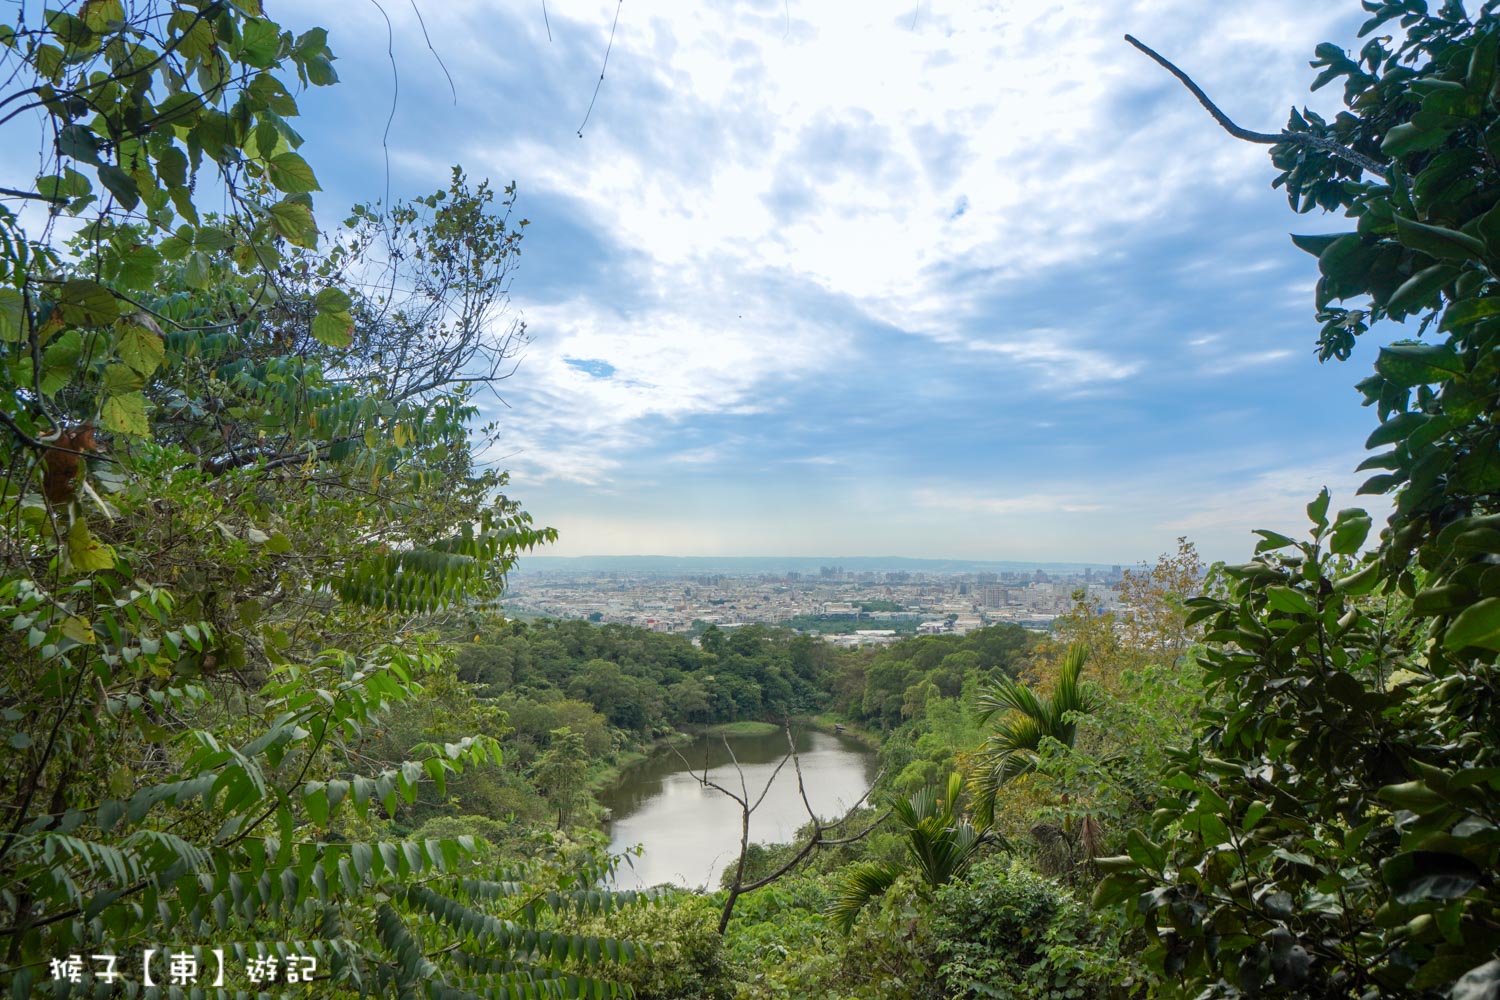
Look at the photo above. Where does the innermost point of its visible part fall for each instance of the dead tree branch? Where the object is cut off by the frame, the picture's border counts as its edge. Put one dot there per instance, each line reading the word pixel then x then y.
pixel 820 830
pixel 1327 145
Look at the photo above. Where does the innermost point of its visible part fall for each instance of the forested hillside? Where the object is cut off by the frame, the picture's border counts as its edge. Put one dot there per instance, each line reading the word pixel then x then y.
pixel 261 705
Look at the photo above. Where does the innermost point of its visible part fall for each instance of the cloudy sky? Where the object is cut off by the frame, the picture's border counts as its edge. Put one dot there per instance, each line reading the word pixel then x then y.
pixel 878 278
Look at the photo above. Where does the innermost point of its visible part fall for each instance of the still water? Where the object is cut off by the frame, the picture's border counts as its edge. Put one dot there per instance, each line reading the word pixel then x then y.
pixel 690 832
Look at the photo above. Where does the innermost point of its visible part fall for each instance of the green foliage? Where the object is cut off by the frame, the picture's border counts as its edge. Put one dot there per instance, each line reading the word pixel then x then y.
pixel 224 530
pixel 890 954
pixel 1080 800
pixel 642 683
pixel 1026 721
pixel 1004 931
pixel 562 773
pixel 871 685
pixel 940 844
pixel 686 957
pixel 1332 831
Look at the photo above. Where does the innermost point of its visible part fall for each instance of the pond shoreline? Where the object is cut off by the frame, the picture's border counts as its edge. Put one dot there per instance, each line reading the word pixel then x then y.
pixel 691 831
pixel 609 775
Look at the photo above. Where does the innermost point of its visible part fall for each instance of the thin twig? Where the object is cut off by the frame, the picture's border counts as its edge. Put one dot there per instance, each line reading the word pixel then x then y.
pixel 442 65
pixel 32 196
pixel 390 53
pixel 1343 152
pixel 607 49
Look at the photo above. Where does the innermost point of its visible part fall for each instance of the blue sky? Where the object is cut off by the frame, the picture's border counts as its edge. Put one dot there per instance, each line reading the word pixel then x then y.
pixel 947 279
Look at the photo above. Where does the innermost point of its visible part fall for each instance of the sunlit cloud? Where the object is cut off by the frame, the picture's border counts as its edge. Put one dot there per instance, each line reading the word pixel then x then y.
pixel 837 275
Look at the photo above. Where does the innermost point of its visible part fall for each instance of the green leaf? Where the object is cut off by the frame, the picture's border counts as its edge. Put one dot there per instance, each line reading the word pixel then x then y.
pixel 1417 876
pixel 315 799
pixel 260 40
pixel 1145 851
pixel 79 143
pixel 294 220
pixel 172 167
pixel 198 269
pixel 1395 429
pixel 1420 291
pixel 290 173
pixel 79 630
pixel 1437 241
pixel 60 362
pixel 320 71
pixel 140 348
pixel 1360 582
pixel 119 379
pixel 1408 138
pixel 1478 625
pixel 1288 600
pixel 1410 363
pixel 100 14
pixel 121 185
pixel 70 185
pixel 1315 245
pixel 139 267
pixel 1349 531
pixel 1317 511
pixel 1442 600
pixel 87 303
pixel 336 329
pixel 1468 311
pixel 85 553
pixel 12 316
pixel 333 300
pixel 126 414
pixel 362 856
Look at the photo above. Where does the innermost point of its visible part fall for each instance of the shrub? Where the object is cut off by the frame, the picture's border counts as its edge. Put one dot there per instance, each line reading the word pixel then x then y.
pixel 1004 931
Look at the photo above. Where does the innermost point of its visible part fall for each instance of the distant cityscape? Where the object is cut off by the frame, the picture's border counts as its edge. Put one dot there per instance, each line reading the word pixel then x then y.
pixel 849 606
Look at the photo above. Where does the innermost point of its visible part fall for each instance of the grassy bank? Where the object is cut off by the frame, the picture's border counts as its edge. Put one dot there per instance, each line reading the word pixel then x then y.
pixel 745 728
pixel 830 723
pixel 608 774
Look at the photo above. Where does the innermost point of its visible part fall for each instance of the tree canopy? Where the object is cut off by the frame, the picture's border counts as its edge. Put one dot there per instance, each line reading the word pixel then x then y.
pixel 238 481
pixel 1332 830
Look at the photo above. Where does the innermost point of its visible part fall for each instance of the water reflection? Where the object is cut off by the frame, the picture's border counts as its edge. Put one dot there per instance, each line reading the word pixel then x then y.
pixel 691 831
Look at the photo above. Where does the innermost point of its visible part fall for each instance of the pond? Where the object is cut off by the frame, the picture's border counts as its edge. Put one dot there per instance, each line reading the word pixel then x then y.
pixel 690 832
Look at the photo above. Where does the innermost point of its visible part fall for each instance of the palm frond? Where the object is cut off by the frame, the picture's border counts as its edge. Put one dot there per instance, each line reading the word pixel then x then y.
pixel 1006 695
pixel 1012 748
pixel 855 886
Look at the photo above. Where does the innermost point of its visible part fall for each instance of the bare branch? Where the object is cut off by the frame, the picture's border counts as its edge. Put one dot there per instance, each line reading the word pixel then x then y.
pixel 706 783
pixel 32 196
pixel 1343 152
pixel 738 887
pixel 801 788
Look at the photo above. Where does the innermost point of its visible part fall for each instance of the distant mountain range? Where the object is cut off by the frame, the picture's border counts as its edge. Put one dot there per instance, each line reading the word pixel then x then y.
pixel 756 565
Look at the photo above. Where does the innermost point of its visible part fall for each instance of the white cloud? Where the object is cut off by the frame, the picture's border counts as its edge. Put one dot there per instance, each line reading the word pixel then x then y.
pixel 981 503
pixel 669 365
pixel 751 159
pixel 872 131
pixel 1275 499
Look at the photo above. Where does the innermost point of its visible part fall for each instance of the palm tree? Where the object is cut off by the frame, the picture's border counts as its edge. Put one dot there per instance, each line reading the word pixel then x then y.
pixel 1025 721
pixel 940 843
